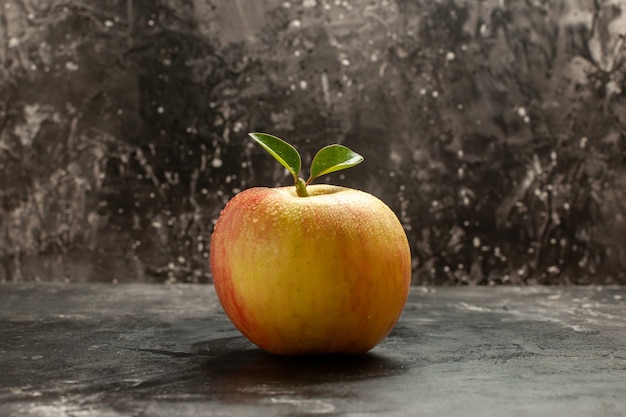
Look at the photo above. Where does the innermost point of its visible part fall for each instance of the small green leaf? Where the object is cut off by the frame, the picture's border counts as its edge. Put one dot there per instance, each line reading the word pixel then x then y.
pixel 333 158
pixel 283 152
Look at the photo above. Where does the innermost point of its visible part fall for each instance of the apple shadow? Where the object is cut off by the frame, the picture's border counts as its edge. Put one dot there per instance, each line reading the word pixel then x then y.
pixel 236 369
pixel 231 370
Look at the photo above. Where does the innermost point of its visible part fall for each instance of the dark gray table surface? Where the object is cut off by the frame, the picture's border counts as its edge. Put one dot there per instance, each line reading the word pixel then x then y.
pixel 150 350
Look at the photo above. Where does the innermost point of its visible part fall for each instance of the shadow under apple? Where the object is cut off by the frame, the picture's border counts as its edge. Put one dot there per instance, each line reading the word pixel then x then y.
pixel 252 375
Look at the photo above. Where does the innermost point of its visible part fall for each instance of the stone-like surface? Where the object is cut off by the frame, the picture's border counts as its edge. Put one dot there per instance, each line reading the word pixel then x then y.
pixel 140 350
pixel 494 129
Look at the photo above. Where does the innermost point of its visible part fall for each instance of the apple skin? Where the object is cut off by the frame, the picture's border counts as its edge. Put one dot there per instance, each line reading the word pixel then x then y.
pixel 327 273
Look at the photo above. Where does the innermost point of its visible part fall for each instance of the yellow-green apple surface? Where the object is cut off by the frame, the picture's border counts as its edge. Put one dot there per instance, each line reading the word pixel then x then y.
pixel 312 269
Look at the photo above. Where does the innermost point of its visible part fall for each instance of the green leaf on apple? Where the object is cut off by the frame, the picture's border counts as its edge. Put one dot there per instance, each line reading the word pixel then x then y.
pixel 283 152
pixel 333 158
pixel 329 159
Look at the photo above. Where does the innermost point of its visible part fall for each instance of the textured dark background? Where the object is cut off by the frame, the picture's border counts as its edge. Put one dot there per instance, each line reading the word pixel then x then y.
pixel 494 129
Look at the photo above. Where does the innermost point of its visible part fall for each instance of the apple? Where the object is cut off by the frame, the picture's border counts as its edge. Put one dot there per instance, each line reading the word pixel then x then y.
pixel 311 269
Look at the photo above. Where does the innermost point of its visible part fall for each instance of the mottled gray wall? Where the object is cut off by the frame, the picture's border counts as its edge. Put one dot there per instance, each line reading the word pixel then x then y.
pixel 494 129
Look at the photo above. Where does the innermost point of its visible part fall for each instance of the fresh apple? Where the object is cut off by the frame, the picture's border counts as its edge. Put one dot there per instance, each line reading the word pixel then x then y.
pixel 311 269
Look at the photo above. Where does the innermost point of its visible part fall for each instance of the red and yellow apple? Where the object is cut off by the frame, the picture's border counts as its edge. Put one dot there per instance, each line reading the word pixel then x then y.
pixel 325 273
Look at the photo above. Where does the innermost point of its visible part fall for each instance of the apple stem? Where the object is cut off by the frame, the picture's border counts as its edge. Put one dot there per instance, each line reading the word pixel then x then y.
pixel 301 188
